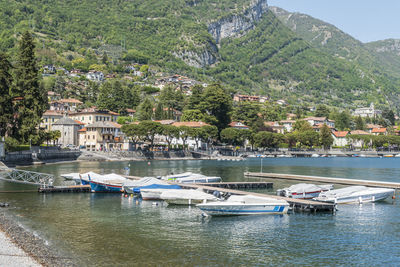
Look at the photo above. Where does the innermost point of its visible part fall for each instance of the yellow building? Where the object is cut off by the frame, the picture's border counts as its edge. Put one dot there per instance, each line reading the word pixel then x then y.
pixel 92 115
pixel 50 117
pixel 101 136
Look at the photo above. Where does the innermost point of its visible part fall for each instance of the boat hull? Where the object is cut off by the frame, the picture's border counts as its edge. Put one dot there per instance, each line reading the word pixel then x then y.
pixel 98 187
pixel 360 198
pixel 233 210
pixel 183 201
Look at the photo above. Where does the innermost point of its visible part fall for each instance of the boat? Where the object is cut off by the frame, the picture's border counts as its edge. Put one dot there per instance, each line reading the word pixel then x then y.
pixel 74 176
pixel 109 183
pixel 191 178
pixel 134 187
pixel 355 194
pixel 315 155
pixel 185 196
pixel 245 205
pixel 304 191
pixel 149 193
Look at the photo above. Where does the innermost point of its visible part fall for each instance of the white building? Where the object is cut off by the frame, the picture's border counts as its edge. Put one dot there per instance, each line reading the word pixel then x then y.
pixel 96 76
pixel 370 112
pixel 69 131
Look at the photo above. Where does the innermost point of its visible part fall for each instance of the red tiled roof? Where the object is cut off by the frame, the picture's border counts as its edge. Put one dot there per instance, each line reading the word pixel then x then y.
pixel 340 133
pixel 379 130
pixel 82 130
pixel 81 123
pixel 238 124
pixel 129 110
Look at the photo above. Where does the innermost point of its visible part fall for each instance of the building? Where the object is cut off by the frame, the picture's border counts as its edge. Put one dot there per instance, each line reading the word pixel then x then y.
pixel 96 76
pixel 241 98
pixel 52 96
pixel 238 125
pixel 69 131
pixel 48 118
pixel 287 124
pixel 340 138
pixel 370 112
pixel 92 115
pixel 275 126
pixel 102 136
pixel 65 105
pixel 369 127
pixel 379 131
pixel 358 143
pixel 313 121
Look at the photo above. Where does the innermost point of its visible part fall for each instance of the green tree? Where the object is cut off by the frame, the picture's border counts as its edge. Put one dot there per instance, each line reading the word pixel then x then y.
pixel 150 130
pixel 230 136
pixel 217 104
pixel 360 125
pixel 192 115
pixel 342 121
pixel 34 103
pixel 145 110
pixel 196 97
pixel 134 131
pixel 210 134
pixel 159 112
pixel 267 139
pixel 322 111
pixel 184 133
pixel 388 114
pixel 325 137
pixel 6 108
pixel 170 132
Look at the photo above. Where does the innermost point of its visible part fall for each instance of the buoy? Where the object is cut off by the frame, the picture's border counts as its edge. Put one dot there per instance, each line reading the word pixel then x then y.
pixel 148 163
pixel 393 197
pixel 125 195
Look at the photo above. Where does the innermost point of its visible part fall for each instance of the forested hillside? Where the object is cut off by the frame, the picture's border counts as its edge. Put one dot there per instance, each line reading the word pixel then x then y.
pixel 381 58
pixel 238 42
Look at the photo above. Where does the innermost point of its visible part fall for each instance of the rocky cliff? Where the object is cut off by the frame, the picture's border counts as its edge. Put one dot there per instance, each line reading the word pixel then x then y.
pixel 237 25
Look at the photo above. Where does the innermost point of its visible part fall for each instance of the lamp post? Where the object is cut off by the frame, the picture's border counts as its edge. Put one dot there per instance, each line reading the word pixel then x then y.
pixel 30 144
pixel 261 164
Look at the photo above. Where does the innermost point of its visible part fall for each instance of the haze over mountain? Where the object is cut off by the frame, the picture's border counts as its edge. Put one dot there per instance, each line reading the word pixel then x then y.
pixel 240 43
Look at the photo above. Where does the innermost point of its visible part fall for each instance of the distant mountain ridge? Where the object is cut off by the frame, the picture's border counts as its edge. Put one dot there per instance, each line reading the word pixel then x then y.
pixel 240 43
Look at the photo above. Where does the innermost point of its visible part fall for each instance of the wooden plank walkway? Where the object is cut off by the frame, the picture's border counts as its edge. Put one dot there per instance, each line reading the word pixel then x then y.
pixel 296 204
pixel 321 179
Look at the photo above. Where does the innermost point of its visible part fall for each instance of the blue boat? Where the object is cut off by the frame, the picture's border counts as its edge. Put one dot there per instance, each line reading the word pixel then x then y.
pixel 104 187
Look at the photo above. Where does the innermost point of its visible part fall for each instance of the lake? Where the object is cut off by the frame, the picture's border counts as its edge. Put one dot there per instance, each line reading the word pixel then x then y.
pixel 113 230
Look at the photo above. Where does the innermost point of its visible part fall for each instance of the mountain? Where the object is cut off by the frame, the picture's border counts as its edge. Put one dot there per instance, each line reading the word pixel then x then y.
pixel 240 43
pixel 381 58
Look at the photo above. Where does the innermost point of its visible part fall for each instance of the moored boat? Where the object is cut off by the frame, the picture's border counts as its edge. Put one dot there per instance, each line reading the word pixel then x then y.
pixel 185 196
pixel 355 194
pixel 245 205
pixel 304 191
pixel 191 178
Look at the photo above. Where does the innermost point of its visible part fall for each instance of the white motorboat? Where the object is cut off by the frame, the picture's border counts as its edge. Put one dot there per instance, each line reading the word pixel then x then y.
pixel 355 194
pixel 245 205
pixel 191 178
pixel 185 196
pixel 305 191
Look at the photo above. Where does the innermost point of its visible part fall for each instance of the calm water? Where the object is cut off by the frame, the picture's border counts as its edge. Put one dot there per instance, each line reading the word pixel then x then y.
pixel 111 230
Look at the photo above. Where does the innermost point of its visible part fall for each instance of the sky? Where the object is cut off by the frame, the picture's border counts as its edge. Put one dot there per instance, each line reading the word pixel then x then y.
pixel 365 20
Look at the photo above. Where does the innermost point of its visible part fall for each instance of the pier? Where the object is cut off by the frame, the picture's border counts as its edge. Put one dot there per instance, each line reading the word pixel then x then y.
pixel 322 179
pixel 295 204
pixel 65 189
pixel 241 185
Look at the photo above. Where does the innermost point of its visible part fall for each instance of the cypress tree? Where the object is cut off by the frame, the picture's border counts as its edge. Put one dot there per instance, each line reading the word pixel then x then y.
pixel 6 109
pixel 34 103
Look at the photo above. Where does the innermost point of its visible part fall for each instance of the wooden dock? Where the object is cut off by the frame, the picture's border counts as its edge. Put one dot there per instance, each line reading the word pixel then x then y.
pixel 321 179
pixel 65 189
pixel 295 204
pixel 241 185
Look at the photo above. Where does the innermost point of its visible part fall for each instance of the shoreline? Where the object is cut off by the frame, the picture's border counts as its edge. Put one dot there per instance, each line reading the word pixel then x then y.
pixel 33 249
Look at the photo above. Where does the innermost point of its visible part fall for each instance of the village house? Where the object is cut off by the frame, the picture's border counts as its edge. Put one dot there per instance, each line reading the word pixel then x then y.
pixel 288 125
pixel 275 126
pixel 358 143
pixel 340 138
pixel 379 131
pixel 65 105
pixel 238 125
pixel 92 115
pixel 369 127
pixel 313 121
pixel 318 127
pixel 52 96
pixel 242 98
pixel 69 131
pixel 96 76
pixel 48 118
pixel 101 136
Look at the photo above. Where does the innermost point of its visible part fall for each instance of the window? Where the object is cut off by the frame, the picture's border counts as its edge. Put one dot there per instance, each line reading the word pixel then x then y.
pixel 52 119
pixel 93 136
pixel 45 119
pixel 97 118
